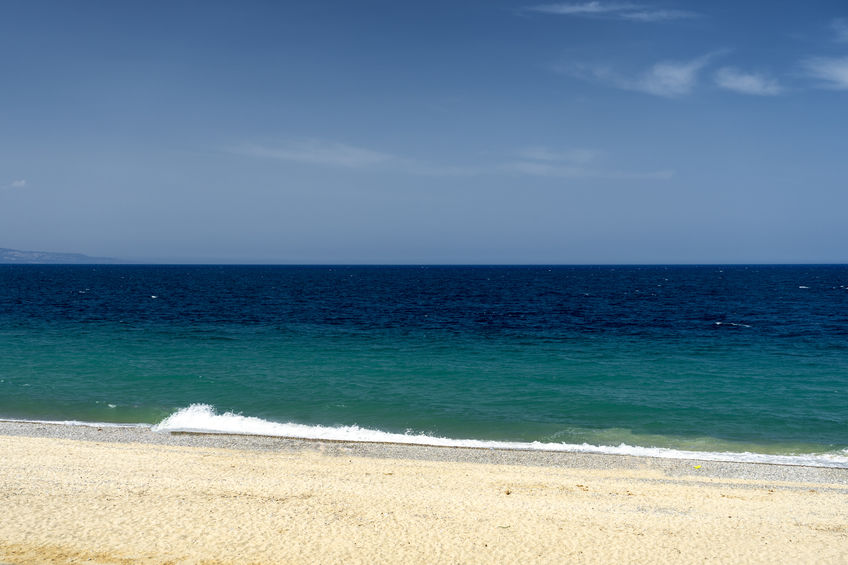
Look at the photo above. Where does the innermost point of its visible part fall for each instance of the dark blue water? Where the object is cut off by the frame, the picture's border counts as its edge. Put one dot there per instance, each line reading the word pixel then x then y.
pixel 696 358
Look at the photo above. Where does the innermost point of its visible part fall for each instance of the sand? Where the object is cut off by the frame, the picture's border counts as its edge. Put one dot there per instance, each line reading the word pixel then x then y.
pixel 82 495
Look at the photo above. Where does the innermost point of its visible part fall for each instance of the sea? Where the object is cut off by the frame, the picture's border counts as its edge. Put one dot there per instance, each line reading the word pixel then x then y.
pixel 736 363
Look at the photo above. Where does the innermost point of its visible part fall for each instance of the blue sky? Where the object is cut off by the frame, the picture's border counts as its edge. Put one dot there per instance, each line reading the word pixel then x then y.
pixel 426 132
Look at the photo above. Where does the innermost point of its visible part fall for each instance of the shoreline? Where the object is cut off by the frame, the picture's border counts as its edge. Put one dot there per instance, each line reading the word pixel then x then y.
pixel 75 494
pixel 143 434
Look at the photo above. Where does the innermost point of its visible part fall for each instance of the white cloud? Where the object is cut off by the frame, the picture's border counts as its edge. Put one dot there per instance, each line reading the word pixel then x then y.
pixel 840 29
pixel 833 72
pixel 669 79
pixel 747 83
pixel 18 183
pixel 614 10
pixel 572 163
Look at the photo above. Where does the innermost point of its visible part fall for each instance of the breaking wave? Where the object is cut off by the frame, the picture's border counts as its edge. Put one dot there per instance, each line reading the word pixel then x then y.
pixel 202 418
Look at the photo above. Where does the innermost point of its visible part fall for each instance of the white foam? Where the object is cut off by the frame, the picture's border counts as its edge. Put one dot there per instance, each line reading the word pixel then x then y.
pixel 732 324
pixel 201 418
pixel 77 423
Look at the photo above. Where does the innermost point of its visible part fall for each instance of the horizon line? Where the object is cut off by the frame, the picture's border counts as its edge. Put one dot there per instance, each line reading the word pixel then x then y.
pixel 120 263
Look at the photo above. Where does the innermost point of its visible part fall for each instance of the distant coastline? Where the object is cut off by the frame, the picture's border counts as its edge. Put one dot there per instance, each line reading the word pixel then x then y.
pixel 16 256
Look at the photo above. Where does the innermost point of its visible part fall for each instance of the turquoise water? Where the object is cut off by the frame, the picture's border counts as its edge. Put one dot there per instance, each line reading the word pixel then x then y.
pixel 702 359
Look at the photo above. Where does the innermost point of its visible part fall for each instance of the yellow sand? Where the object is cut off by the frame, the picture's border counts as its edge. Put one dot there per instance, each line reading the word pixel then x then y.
pixel 68 501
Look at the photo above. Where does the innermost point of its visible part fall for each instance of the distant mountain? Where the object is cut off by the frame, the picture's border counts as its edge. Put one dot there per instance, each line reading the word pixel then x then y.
pixel 35 257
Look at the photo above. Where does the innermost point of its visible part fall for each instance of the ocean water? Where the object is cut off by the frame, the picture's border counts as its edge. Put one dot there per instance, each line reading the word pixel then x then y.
pixel 707 362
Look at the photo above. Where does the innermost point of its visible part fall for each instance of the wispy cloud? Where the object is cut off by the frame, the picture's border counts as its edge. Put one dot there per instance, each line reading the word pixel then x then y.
pixel 613 10
pixel 340 155
pixel 756 84
pixel 536 161
pixel 319 153
pixel 669 79
pixel 840 30
pixel 571 172
pixel 646 15
pixel 19 183
pixel 582 9
pixel 577 156
pixel 573 164
pixel 831 71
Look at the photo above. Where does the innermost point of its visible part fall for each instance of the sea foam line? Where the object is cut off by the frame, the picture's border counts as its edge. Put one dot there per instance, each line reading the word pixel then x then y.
pixel 76 423
pixel 201 418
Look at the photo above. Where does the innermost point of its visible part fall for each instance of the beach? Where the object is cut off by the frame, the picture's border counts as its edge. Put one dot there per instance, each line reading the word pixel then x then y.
pixel 81 494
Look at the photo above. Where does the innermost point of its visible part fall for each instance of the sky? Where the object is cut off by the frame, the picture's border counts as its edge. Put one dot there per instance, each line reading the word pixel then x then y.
pixel 437 132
